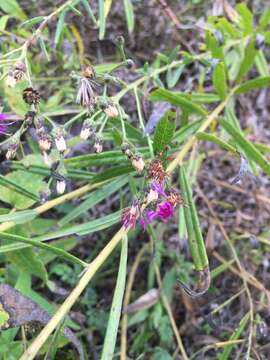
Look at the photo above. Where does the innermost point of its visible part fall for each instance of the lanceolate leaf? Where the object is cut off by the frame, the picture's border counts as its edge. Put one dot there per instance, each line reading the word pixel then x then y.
pixel 176 99
pixel 59 27
pixel 102 19
pixel 220 81
pixel 164 132
pixel 19 217
pixel 214 139
pixel 253 84
pixel 129 14
pixel 248 60
pixel 250 150
pixel 195 239
pixel 94 198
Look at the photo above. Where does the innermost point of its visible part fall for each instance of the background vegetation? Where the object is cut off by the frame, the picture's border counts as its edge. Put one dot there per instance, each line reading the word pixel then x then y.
pixel 104 103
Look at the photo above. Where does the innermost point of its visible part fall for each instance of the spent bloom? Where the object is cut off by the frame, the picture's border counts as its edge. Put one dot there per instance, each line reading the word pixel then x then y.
pixel 129 216
pixel 86 95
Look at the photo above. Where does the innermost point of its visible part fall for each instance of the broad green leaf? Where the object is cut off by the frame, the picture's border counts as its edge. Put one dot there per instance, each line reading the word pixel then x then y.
pixel 31 183
pixel 235 335
pixel 248 60
pixel 11 7
pixel 94 198
pixel 220 80
pixel 3 22
pixel 214 139
pixel 176 99
pixel 250 150
pixel 246 18
pixel 253 84
pixel 101 19
pixel 164 132
pixel 43 47
pixel 19 217
pixel 195 239
pixel 59 27
pixel 115 313
pixel 129 14
pixel 27 261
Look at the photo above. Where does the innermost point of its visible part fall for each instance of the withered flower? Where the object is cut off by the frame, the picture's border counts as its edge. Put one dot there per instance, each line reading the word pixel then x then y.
pixel 86 131
pixel 155 171
pixel 111 111
pixel 98 146
pixel 16 74
pixel 31 96
pixel 11 152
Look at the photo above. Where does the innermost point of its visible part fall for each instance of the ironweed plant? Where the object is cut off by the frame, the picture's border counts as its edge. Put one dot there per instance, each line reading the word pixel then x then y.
pixel 70 142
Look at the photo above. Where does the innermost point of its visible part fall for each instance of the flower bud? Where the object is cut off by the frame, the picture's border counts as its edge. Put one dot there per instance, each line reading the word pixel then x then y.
pixel 11 152
pixel 10 81
pixel 98 146
pixel 126 150
pixel 129 63
pixel 60 143
pixel 152 196
pixel 111 111
pixel 44 142
pixel 138 163
pixel 61 186
pixel 86 131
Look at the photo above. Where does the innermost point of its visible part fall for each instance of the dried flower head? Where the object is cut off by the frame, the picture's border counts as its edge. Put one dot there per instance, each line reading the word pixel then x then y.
pixel 138 163
pixel 174 198
pixel 86 95
pixel 16 74
pixel 155 171
pixel 130 215
pixel 11 152
pixel 31 96
pixel 111 111
pixel 86 131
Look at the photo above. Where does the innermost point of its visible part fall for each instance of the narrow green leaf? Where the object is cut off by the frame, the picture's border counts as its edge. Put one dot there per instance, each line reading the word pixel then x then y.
pixel 183 133
pixel 250 150
pixel 101 19
pixel 19 217
pixel 253 84
pixel 129 14
pixel 89 11
pixel 115 313
pixel 246 18
pixel 43 47
pixel 94 198
pixel 32 21
pixel 32 242
pixel 235 335
pixel 3 22
pixel 248 60
pixel 86 228
pixel 220 80
pixel 59 27
pixel 164 132
pixel 214 139
pixel 112 173
pixel 195 239
pixel 176 99
pixel 264 20
pixel 261 64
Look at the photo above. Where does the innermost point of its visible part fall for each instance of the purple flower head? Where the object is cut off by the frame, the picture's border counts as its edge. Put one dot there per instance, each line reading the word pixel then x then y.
pixel 159 188
pixel 3 123
pixel 165 210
